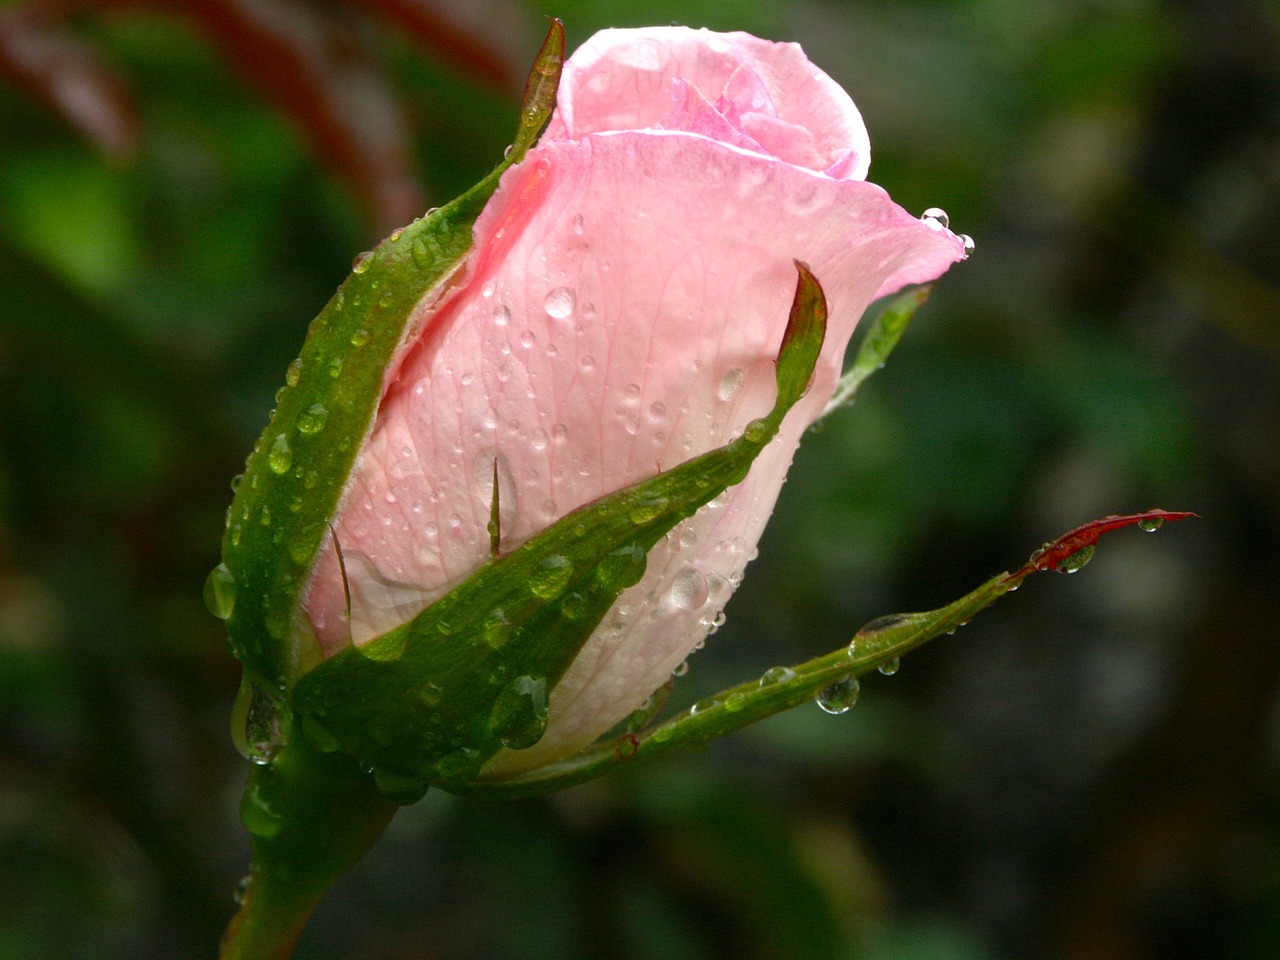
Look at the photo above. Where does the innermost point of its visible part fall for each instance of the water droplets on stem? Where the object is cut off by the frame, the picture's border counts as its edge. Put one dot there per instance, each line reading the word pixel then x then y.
pixel 1076 561
pixel 838 697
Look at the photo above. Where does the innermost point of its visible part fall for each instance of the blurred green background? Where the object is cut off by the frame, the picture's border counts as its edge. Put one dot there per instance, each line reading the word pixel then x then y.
pixel 1090 771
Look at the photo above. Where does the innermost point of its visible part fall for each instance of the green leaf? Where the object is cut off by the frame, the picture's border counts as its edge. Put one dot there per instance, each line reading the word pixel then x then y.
pixel 830 680
pixel 294 479
pixel 435 698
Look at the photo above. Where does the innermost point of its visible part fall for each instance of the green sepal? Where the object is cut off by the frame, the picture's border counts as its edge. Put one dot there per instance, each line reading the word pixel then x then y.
pixel 880 642
pixel 435 698
pixel 294 479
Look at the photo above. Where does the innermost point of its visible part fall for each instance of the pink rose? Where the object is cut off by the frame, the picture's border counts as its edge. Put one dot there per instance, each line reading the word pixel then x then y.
pixel 620 313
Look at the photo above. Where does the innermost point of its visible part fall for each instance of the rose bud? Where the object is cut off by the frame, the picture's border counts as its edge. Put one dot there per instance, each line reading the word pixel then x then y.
pixel 618 314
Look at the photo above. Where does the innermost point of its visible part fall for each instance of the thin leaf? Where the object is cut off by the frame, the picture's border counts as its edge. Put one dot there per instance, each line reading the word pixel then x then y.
pixel 781 688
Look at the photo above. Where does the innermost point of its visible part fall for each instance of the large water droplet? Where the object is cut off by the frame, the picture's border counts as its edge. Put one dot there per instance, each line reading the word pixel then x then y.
pixel 519 715
pixel 280 457
pixel 890 667
pixel 496 627
pixel 688 590
pixel 312 420
pixel 551 577
pixel 560 302
pixel 257 814
pixel 220 592
pixel 1151 524
pixel 968 244
pixel 621 568
pixel 361 263
pixel 648 509
pixel 838 697
pixel 1076 561
pixel 730 384
pixel 935 218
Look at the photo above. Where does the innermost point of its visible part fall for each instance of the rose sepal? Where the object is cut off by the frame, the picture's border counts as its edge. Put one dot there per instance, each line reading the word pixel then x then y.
pixel 831 679
pixel 295 477
pixel 429 702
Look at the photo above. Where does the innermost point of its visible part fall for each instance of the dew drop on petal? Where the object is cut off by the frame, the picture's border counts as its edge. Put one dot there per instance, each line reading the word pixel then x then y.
pixel 681 669
pixel 688 590
pixel 1151 524
pixel 730 384
pixel 969 245
pixel 501 315
pixel 559 303
pixel 935 218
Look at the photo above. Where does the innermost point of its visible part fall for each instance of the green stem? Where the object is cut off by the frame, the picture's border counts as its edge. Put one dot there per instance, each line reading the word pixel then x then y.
pixel 312 816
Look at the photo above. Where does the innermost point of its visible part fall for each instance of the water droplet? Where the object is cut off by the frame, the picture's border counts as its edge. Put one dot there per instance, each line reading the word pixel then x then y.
pixel 335 368
pixel 527 339
pixel 501 316
pixel 935 218
pixel 519 715
pixel 1151 524
pixel 559 303
pixel 736 701
pixel 756 431
pixel 241 892
pixel 838 697
pixel 260 739
pixel 551 577
pixel 730 384
pixel 574 606
pixel 257 814
pixel 360 337
pixel 220 592
pixel 495 628
pixel 294 373
pixel 776 675
pixel 688 590
pixel 280 457
pixel 303 546
pixel 621 568
pixel 890 667
pixel 361 263
pixel 681 669
pixel 588 363
pixel 1076 561
pixel 312 420
pixel 648 509
pixel 969 245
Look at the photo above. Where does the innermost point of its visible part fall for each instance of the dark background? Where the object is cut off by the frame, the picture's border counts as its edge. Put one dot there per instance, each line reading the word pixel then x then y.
pixel 1090 771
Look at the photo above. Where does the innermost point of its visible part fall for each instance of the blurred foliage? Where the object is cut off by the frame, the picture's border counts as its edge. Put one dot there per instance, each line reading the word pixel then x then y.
pixel 1092 770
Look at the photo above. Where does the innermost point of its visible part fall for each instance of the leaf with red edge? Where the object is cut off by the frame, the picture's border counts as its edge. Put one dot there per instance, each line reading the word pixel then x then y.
pixel 1071 551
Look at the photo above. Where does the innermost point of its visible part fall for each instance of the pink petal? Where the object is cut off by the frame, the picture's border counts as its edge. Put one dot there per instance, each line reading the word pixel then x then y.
pixel 620 80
